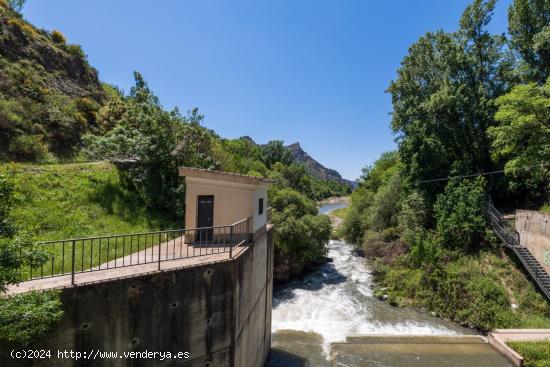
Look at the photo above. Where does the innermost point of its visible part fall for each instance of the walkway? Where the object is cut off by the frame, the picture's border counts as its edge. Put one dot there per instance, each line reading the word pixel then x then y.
pixel 173 254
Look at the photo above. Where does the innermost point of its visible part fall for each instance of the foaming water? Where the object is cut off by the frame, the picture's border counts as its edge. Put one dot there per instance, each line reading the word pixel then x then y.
pixel 337 301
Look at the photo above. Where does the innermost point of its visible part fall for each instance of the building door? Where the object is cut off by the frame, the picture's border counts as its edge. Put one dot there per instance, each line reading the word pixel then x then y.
pixel 205 217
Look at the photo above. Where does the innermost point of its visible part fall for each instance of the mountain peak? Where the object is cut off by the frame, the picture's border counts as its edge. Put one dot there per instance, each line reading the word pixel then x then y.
pixel 295 146
pixel 315 168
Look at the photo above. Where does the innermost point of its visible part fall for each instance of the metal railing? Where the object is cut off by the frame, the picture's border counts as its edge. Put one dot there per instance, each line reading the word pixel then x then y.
pixel 82 255
pixel 501 227
pixel 511 239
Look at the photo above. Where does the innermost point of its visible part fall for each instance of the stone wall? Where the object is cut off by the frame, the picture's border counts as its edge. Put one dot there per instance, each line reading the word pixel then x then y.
pixel 219 312
pixel 534 233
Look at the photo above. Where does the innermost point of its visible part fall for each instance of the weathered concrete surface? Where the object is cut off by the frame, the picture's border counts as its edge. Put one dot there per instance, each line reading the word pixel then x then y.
pixel 218 312
pixel 421 351
pixel 499 337
pixel 534 233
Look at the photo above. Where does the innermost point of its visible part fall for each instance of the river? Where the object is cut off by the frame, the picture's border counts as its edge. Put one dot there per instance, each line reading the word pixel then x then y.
pixel 336 301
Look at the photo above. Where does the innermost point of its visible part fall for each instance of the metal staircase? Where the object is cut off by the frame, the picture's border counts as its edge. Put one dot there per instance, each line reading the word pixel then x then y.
pixel 510 238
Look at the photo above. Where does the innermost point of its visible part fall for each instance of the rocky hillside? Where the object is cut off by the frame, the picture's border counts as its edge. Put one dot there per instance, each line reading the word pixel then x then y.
pixel 48 91
pixel 315 168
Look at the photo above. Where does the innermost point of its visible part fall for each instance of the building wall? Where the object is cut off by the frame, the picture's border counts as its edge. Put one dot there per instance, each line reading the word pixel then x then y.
pixel 259 220
pixel 232 201
pixel 534 233
pixel 220 313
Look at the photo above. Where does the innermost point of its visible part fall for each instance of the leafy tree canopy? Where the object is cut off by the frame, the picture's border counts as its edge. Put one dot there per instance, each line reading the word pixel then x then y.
pixel 443 95
pixel 529 27
pixel 522 139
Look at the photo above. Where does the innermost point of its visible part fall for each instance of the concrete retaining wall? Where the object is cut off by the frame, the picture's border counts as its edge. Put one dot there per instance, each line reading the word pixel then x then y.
pixel 220 313
pixel 534 233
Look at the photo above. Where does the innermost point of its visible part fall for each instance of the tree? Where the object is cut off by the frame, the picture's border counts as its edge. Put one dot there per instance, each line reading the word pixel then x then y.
pixel 529 27
pixel 17 5
pixel 443 99
pixel 460 213
pixel 522 139
pixel 300 233
pixel 149 144
pixel 274 151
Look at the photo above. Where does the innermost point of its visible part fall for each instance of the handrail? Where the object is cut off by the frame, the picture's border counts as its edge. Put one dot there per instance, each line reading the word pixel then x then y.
pixel 88 254
pixel 139 233
pixel 501 228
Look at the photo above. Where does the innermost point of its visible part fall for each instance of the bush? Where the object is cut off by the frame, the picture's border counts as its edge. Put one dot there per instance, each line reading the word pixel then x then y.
pixel 76 50
pixel 58 37
pixel 300 233
pixel 292 202
pixel 490 306
pixel 459 213
pixel 26 317
pixel 412 217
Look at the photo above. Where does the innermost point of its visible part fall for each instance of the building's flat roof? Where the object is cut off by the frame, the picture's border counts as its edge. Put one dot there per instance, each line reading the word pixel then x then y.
pixel 223 176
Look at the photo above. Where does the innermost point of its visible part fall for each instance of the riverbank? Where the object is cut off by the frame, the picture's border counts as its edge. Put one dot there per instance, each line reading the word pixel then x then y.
pixel 483 291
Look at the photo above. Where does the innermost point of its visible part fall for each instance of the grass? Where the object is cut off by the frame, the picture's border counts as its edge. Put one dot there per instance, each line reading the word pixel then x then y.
pixel 340 212
pixel 64 201
pixel 535 353
pixel 545 209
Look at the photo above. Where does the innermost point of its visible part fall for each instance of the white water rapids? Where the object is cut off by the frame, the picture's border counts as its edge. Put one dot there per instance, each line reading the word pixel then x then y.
pixel 337 301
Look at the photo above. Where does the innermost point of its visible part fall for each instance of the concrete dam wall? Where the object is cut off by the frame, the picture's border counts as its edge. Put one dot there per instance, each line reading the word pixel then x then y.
pixel 220 313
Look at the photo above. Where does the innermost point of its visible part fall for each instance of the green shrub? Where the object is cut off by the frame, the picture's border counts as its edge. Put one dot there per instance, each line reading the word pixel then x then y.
pixel 28 316
pixel 76 50
pixel 292 202
pixel 58 37
pixel 300 233
pixel 459 213
pixel 28 148
pixel 412 216
pixel 490 305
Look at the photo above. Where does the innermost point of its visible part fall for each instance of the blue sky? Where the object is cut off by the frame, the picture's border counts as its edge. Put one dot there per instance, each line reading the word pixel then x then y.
pixel 312 71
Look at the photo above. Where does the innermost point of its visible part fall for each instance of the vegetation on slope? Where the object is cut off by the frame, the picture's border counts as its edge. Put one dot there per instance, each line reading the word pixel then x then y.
pixel 76 200
pixel 26 316
pixel 462 104
pixel 535 353
pixel 49 95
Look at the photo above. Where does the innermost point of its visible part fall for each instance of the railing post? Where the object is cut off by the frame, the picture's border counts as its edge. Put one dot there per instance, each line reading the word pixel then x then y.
pixel 159 249
pixel 231 242
pixel 73 265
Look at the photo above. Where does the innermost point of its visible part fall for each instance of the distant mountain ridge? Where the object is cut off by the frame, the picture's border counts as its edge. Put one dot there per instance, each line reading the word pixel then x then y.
pixel 314 167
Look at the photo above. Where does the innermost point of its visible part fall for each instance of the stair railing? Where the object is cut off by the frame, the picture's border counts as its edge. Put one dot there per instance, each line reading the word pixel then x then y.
pixel 511 240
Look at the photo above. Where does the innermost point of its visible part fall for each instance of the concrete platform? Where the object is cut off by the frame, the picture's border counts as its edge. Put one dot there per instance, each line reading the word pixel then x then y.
pixel 417 351
pixel 499 337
